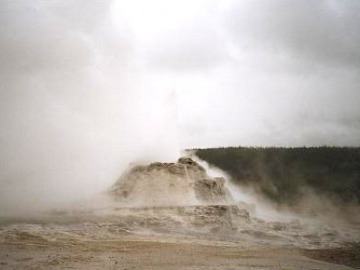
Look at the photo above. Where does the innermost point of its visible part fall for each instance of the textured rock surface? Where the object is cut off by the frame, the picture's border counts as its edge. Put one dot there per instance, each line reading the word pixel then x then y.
pixel 181 183
pixel 177 198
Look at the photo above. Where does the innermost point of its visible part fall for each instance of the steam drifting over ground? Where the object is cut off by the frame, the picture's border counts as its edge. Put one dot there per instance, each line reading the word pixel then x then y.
pixel 89 87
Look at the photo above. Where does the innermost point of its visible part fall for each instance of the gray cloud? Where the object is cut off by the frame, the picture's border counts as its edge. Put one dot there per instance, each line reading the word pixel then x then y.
pixel 195 47
pixel 73 110
pixel 285 59
pixel 320 32
pixel 88 87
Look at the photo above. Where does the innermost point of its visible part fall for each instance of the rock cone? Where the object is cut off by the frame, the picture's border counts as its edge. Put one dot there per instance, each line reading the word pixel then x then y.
pixel 170 184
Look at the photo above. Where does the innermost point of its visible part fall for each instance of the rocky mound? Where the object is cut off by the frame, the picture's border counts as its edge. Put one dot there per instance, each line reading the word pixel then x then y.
pixel 170 184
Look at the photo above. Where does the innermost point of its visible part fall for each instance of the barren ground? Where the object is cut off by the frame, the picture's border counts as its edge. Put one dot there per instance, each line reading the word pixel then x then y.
pixel 151 252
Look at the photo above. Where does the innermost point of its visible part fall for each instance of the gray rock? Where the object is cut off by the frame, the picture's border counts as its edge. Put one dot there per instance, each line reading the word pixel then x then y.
pixel 181 183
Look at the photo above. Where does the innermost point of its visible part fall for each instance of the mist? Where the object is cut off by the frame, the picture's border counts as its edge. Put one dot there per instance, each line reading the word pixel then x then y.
pixel 75 109
pixel 102 100
pixel 89 87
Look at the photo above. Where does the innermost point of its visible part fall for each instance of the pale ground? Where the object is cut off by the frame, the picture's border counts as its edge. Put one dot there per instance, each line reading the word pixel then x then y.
pixel 128 251
pixel 192 237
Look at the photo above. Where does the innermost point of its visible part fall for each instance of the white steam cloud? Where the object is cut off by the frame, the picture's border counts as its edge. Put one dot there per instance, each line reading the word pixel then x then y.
pixel 88 86
pixel 75 107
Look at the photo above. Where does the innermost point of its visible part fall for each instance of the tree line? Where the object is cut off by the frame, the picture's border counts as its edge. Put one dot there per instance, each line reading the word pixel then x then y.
pixel 284 174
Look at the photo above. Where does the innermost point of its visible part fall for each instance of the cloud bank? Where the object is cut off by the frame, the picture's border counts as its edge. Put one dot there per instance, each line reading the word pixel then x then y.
pixel 75 109
pixel 88 87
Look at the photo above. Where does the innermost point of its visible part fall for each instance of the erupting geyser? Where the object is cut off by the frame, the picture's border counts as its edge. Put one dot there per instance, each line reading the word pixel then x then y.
pixel 182 198
pixel 170 184
pixel 177 197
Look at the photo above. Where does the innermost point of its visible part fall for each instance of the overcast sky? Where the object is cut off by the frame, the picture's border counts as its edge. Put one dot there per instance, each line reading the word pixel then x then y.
pixel 89 86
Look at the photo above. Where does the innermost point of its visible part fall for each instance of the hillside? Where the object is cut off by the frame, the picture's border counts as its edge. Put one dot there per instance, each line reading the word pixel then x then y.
pixel 284 175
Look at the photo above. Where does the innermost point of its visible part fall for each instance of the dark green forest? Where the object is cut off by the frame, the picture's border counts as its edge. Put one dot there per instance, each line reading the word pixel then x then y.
pixel 285 175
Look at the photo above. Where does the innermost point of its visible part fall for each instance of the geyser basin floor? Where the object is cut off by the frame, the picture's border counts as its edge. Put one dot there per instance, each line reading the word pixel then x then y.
pixel 104 245
pixel 149 252
pixel 165 216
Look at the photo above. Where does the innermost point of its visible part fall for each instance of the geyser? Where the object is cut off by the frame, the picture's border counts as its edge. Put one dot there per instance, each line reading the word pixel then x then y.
pixel 168 184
